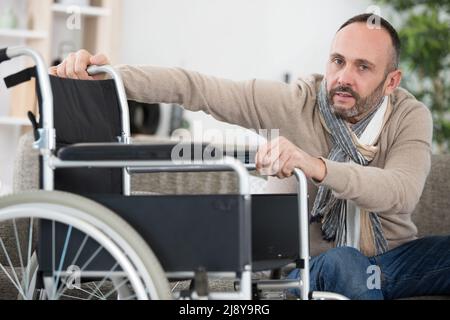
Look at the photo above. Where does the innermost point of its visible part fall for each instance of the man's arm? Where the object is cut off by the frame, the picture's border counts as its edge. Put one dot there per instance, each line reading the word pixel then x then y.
pixel 252 104
pixel 398 186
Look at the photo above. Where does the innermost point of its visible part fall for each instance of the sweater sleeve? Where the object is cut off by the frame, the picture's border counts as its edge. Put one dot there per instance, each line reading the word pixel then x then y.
pixel 398 186
pixel 252 104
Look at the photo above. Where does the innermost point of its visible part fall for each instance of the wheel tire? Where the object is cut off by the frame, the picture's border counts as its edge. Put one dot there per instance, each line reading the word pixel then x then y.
pixel 106 216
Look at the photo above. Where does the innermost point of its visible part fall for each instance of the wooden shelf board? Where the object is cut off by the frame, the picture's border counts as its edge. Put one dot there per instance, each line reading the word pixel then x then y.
pixel 22 33
pixel 84 10
pixel 10 121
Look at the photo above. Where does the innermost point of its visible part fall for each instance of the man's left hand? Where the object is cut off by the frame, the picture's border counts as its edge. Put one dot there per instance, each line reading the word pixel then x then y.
pixel 280 157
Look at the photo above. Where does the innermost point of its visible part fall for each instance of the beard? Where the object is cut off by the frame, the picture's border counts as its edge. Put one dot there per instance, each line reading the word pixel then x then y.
pixel 362 105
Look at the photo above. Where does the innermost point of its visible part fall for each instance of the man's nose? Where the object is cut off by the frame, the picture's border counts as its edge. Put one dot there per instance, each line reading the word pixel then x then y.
pixel 345 77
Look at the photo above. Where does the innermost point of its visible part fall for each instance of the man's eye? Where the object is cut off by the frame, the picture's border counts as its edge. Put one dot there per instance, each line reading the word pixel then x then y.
pixel 338 61
pixel 363 67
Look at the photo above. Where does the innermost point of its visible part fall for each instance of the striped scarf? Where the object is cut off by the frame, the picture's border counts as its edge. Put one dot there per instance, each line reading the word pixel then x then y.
pixel 332 212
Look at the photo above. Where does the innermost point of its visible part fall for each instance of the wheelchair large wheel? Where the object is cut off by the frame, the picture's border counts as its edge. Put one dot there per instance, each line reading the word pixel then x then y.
pixel 85 251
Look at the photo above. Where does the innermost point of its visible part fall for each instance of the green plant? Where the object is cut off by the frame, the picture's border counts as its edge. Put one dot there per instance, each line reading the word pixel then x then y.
pixel 424 29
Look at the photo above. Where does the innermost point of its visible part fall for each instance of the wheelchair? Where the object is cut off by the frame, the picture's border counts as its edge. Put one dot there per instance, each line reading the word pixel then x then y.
pixel 85 237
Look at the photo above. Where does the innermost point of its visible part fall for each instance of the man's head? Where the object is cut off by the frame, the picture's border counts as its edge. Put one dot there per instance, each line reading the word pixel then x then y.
pixel 363 66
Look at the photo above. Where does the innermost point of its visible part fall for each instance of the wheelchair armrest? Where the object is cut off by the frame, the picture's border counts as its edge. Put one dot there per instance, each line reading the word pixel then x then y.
pixel 120 151
pixel 136 152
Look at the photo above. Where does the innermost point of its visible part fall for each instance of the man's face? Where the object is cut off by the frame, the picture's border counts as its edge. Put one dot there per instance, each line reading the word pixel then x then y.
pixel 356 70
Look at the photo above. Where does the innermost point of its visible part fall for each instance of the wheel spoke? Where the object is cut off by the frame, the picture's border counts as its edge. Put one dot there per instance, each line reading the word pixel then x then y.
pixel 72 297
pixel 96 289
pixel 86 237
pixel 63 256
pixel 175 286
pixel 53 251
pixel 17 282
pixel 116 289
pixel 80 249
pixel 87 292
pixel 19 250
pixel 107 276
pixel 93 256
pixel 17 285
pixel 34 269
pixel 30 243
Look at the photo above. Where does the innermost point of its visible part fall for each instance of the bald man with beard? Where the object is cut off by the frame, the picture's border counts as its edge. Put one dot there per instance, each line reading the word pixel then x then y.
pixel 364 142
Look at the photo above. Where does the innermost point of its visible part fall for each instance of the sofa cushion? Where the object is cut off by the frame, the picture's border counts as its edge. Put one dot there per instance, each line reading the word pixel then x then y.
pixel 432 214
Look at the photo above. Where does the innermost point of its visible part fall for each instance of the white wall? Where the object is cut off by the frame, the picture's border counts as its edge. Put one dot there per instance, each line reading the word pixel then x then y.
pixel 10 67
pixel 235 39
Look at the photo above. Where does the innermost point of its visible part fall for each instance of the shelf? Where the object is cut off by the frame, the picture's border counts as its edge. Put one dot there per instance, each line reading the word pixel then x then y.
pixel 22 33
pixel 9 121
pixel 84 10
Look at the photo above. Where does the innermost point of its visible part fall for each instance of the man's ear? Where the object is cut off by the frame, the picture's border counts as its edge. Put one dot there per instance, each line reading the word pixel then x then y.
pixel 393 81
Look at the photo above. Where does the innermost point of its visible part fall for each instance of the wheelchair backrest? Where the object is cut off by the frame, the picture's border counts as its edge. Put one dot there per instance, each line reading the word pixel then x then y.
pixel 86 112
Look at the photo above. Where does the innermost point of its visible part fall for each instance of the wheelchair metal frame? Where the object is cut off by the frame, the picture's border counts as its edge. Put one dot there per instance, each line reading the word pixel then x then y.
pixel 47 146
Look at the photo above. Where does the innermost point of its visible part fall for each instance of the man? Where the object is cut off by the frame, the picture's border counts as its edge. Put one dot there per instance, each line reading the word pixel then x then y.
pixel 364 142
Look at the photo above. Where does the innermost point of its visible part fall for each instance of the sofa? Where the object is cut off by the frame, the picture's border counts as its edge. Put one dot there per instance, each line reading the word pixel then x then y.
pixel 432 214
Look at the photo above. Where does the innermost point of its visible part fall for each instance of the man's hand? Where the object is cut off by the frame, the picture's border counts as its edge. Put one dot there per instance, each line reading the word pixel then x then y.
pixel 76 64
pixel 280 157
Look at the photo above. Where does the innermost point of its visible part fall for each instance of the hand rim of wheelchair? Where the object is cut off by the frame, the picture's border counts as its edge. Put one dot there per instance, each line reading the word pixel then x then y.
pixel 142 268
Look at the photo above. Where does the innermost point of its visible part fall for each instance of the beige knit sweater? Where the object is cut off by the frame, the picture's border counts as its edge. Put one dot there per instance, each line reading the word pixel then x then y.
pixel 391 185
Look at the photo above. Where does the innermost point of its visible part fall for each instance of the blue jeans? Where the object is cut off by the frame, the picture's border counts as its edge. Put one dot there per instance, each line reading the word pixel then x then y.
pixel 417 268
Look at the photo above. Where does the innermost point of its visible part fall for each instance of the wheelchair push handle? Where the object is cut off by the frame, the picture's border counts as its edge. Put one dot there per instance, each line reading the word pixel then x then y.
pixel 45 90
pixel 4 55
pixel 123 102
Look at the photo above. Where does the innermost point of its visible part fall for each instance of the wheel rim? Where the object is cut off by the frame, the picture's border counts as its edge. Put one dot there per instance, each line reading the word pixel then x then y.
pixel 73 218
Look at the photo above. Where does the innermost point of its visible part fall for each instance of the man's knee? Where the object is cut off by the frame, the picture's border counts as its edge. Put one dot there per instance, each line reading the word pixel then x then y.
pixel 338 264
pixel 342 256
pixel 344 270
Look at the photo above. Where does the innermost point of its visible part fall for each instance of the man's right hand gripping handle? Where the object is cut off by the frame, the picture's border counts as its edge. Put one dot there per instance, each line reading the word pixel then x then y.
pixel 76 64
